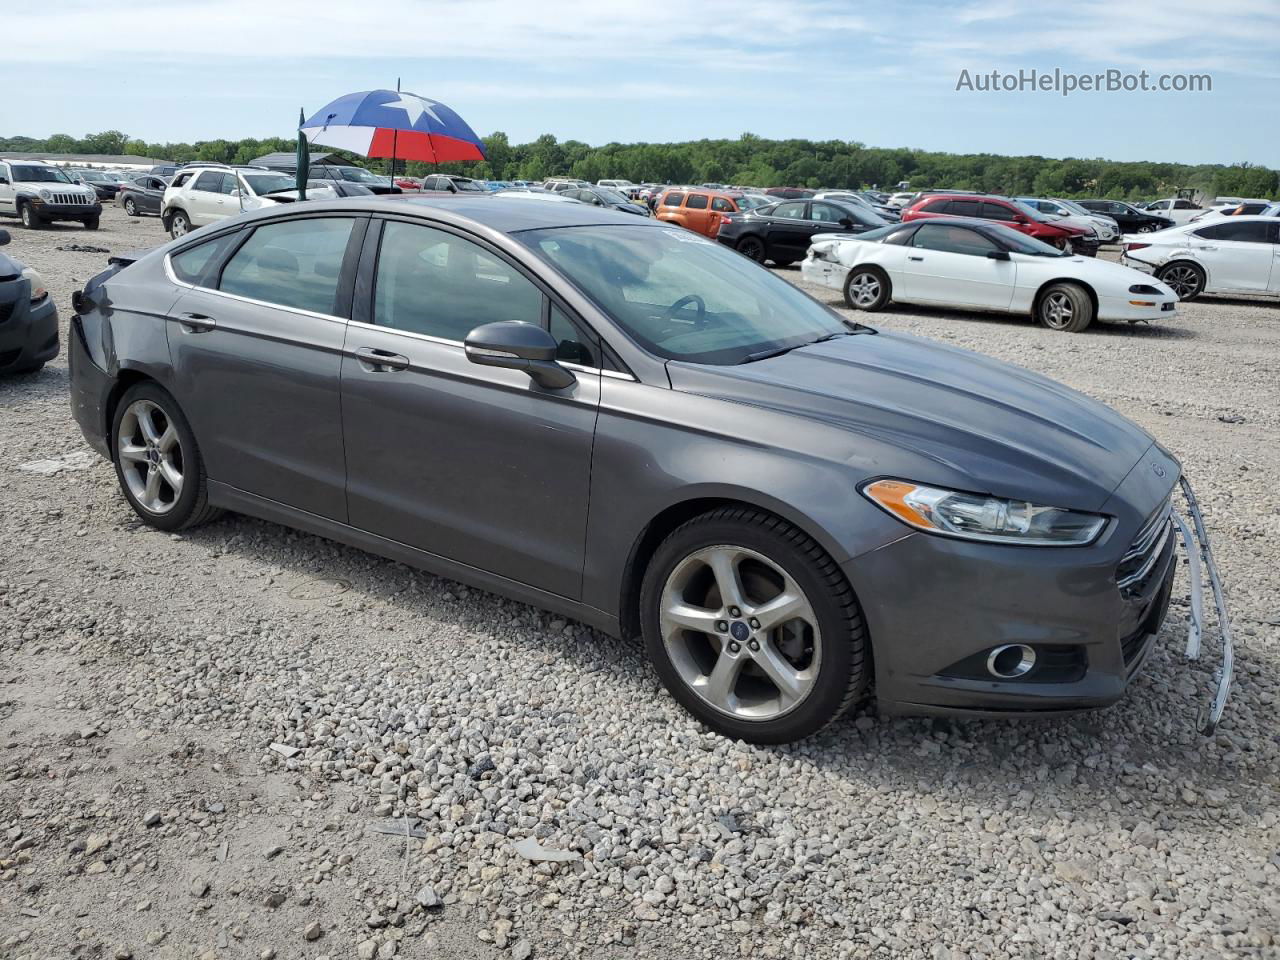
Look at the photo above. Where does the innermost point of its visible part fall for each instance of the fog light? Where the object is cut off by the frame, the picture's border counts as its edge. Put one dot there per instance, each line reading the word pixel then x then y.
pixel 1010 661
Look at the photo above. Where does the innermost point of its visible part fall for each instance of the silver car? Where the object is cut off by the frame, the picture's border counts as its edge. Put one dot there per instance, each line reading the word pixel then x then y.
pixel 618 420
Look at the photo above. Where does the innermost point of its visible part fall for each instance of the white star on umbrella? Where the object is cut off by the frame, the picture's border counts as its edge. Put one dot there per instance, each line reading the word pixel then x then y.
pixel 414 108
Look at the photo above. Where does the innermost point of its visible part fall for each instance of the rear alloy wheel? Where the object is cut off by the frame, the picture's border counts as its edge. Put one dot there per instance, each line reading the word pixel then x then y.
pixel 130 208
pixel 753 627
pixel 157 461
pixel 752 248
pixel 1065 307
pixel 30 219
pixel 1147 228
pixel 866 288
pixel 1184 279
pixel 179 224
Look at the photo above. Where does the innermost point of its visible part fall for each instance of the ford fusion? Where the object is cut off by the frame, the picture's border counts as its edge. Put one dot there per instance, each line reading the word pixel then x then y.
pixel 621 421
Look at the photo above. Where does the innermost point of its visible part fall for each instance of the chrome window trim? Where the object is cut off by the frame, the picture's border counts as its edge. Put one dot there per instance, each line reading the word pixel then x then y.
pixel 173 278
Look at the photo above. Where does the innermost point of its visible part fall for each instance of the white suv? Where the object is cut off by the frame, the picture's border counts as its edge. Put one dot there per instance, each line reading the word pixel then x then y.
pixel 203 194
pixel 39 193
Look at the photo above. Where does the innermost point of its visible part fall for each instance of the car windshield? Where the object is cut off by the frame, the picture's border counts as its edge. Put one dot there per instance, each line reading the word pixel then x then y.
pixel 1074 207
pixel 468 185
pixel 611 196
pixel 26 173
pixel 360 175
pixel 1018 242
pixel 681 296
pixel 753 201
pixel 263 183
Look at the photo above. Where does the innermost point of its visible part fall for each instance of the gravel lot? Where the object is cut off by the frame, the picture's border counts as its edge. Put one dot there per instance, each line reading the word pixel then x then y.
pixel 144 678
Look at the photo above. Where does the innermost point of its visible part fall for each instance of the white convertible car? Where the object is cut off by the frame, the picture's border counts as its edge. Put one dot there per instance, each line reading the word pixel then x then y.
pixel 982 265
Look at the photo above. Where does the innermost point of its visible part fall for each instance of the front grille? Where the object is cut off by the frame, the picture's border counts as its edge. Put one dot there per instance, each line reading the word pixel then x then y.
pixel 1140 561
pixel 69 198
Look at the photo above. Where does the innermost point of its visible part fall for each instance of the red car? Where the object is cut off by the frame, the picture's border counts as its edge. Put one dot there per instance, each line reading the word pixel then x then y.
pixel 1009 212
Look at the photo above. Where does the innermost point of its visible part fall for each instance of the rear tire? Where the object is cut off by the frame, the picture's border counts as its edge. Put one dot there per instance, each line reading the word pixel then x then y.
pixel 158 463
pixel 817 650
pixel 1184 279
pixel 1065 307
pixel 752 248
pixel 130 208
pixel 30 219
pixel 866 288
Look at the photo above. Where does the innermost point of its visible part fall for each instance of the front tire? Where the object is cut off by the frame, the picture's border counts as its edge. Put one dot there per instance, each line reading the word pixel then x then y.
pixel 91 223
pixel 752 627
pixel 179 224
pixel 1065 307
pixel 866 288
pixel 1184 279
pixel 157 461
pixel 30 219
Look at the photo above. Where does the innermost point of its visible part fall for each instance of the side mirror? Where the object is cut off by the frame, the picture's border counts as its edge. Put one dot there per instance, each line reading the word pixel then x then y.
pixel 4 237
pixel 3 178
pixel 1020 218
pixel 997 254
pixel 846 221
pixel 515 345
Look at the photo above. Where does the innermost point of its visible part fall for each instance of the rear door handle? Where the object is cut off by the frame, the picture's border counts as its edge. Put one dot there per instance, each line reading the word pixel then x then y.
pixel 916 258
pixel 197 322
pixel 381 361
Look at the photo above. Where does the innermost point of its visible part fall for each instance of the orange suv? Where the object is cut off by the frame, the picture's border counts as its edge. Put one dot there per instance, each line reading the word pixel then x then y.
pixel 697 210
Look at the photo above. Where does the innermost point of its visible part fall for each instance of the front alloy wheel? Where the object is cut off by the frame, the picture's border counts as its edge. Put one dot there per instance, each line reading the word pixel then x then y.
pixel 179 225
pixel 752 626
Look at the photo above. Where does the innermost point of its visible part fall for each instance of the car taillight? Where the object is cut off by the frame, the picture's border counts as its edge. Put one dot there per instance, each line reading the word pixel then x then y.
pixel 725 218
pixel 1135 246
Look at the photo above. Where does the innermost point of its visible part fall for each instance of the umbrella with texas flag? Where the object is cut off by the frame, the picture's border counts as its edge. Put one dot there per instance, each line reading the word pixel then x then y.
pixel 392 123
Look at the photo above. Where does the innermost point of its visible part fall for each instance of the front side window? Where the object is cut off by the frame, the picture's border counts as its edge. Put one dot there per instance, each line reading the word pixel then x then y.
pixel 438 284
pixel 680 296
pixel 295 263
pixel 573 345
pixel 721 205
pixel 1252 231
pixel 948 239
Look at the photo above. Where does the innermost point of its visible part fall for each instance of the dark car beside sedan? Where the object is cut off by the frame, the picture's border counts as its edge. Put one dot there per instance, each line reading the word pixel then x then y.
pixel 1128 217
pixel 781 232
pixel 28 317
pixel 622 421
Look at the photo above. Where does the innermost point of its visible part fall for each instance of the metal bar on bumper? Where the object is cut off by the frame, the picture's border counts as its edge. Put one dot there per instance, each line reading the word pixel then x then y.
pixel 1203 553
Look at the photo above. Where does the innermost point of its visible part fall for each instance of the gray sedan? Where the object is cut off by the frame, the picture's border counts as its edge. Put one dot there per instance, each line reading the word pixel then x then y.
pixel 626 423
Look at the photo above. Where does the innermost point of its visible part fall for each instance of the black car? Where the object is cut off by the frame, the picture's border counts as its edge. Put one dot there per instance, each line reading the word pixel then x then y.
pixel 28 318
pixel 144 194
pixel 601 197
pixel 781 232
pixel 105 185
pixel 1128 217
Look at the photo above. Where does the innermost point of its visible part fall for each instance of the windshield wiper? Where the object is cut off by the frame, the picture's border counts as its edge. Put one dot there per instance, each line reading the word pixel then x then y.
pixel 779 351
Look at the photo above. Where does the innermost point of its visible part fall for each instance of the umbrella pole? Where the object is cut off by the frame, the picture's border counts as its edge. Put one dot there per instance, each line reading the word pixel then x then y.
pixel 395 138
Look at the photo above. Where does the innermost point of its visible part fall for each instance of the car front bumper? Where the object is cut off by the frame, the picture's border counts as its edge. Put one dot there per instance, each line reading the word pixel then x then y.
pixel 28 332
pixel 1161 307
pixel 66 211
pixel 936 607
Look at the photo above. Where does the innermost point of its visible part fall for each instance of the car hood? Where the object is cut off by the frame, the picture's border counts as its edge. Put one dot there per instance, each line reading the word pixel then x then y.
pixel 35 186
pixel 937 414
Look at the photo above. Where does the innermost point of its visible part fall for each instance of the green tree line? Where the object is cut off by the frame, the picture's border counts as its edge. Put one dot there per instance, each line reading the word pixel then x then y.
pixel 753 161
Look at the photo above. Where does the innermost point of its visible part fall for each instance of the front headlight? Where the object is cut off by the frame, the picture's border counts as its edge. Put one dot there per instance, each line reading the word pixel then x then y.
pixel 976 517
pixel 38 289
pixel 45 194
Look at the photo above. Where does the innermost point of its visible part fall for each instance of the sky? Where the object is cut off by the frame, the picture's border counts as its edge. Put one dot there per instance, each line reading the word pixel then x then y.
pixel 879 72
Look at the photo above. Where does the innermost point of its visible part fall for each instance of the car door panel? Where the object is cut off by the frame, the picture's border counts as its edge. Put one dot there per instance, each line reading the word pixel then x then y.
pixel 473 463
pixel 967 279
pixel 1237 265
pixel 259 383
pixel 789 235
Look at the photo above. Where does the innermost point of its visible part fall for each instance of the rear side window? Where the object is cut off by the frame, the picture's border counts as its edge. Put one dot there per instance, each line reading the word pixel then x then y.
pixel 209 181
pixel 292 264
pixel 190 265
pixel 793 210
pixel 696 201
pixel 1252 231
pixel 965 208
pixel 180 179
pixel 672 199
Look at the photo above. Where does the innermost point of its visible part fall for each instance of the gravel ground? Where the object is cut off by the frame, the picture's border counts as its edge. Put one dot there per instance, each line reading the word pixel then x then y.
pixel 144 679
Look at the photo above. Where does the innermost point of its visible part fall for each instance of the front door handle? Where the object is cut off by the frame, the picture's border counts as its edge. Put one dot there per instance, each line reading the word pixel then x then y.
pixel 197 322
pixel 381 361
pixel 916 258
pixel 1205 246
